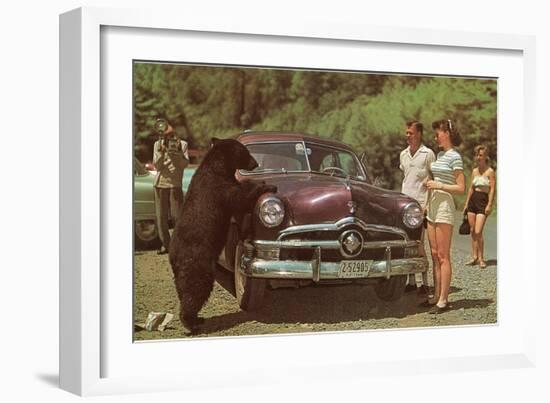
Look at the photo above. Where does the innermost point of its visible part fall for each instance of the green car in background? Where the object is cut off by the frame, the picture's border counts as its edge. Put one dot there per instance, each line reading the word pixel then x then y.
pixel 145 228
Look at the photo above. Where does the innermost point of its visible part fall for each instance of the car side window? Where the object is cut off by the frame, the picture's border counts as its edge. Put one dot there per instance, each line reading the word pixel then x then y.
pixel 348 164
pixel 328 161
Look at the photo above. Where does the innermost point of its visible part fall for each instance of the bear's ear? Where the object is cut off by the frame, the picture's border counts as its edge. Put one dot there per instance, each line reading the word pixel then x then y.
pixel 214 140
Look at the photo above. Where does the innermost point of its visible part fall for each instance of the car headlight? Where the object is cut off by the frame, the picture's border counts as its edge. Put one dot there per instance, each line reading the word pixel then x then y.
pixel 271 212
pixel 413 215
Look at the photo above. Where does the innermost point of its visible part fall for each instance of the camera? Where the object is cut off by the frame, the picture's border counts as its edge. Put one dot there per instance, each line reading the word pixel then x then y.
pixel 160 126
pixel 170 143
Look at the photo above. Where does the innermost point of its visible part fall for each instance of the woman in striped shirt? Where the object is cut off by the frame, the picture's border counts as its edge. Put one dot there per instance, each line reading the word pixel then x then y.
pixel 448 179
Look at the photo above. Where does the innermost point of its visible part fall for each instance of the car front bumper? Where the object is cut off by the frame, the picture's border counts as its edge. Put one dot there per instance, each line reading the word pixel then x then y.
pixel 260 260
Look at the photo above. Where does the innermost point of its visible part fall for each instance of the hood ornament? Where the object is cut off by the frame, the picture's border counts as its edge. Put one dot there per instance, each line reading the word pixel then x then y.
pixel 347 184
pixel 351 243
pixel 352 206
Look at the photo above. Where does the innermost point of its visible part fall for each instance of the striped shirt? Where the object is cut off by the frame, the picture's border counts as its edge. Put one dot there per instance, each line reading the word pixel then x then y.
pixel 443 168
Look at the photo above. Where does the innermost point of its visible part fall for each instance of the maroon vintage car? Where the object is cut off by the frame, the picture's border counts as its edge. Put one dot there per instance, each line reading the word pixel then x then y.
pixel 326 224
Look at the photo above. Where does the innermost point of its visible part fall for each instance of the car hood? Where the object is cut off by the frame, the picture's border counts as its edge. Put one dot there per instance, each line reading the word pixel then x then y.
pixel 316 198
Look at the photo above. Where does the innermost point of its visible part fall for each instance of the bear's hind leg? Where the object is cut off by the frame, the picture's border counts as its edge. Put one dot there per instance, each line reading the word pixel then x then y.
pixel 194 286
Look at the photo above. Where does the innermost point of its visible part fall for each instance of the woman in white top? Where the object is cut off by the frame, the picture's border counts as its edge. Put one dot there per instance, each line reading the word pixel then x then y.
pixel 448 174
pixel 479 202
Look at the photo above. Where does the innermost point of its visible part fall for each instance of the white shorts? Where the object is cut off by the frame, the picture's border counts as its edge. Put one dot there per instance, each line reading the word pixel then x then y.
pixel 441 207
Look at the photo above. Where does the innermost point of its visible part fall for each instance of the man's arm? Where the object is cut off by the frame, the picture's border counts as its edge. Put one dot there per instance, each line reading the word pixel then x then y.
pixel 180 156
pixel 429 161
pixel 158 155
pixel 492 184
pixel 185 149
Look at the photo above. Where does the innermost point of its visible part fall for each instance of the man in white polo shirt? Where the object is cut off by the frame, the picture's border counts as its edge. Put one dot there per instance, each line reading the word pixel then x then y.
pixel 415 162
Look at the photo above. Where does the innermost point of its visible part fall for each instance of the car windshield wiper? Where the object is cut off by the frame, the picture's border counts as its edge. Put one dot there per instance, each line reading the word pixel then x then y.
pixel 283 170
pixel 335 174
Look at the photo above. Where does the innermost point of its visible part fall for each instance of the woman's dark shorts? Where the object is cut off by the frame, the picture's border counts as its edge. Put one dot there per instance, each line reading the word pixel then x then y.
pixel 478 202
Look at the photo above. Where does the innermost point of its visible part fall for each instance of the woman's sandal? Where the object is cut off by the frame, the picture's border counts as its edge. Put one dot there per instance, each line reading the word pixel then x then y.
pixel 482 265
pixel 471 262
pixel 428 303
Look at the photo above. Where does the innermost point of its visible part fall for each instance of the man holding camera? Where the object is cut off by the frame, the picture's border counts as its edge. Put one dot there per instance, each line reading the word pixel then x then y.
pixel 170 158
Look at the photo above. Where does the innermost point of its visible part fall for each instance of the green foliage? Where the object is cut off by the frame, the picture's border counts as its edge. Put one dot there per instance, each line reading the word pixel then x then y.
pixel 367 111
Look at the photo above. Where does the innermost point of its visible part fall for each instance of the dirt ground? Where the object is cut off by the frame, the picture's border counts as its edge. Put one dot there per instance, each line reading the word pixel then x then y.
pixel 311 309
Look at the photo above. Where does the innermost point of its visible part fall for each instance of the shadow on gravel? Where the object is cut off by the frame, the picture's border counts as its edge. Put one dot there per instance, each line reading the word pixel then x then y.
pixel 491 262
pixel 327 304
pixel 454 289
pixel 224 322
pixel 314 305
pixel 464 304
pixel 470 303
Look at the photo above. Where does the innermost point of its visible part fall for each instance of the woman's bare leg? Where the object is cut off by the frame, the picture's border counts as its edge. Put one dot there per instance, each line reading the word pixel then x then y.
pixel 435 261
pixel 480 223
pixel 443 235
pixel 472 222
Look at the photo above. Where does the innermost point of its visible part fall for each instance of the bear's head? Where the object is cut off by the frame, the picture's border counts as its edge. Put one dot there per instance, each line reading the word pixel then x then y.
pixel 228 155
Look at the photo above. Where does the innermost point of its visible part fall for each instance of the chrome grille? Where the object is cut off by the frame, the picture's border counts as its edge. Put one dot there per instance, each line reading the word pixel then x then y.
pixel 336 256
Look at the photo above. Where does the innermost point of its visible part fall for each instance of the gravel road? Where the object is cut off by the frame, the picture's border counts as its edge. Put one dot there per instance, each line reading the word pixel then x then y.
pixel 473 300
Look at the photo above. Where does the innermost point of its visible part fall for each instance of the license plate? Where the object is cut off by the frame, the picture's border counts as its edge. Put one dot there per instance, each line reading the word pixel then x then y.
pixel 354 268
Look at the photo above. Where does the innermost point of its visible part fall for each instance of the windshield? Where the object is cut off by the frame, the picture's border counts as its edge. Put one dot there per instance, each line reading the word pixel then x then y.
pixel 305 157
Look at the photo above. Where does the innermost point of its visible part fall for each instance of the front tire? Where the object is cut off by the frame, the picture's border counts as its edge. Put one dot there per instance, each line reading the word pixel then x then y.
pixel 248 291
pixel 231 246
pixel 146 234
pixel 390 289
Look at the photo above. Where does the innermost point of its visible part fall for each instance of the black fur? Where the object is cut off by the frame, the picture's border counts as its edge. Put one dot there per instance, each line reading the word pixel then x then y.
pixel 214 196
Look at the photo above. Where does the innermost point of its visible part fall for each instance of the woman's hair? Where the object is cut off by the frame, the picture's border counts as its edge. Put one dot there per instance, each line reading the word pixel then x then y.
pixel 449 126
pixel 482 147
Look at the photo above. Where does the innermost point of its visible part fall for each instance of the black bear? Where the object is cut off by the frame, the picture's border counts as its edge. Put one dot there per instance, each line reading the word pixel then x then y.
pixel 214 195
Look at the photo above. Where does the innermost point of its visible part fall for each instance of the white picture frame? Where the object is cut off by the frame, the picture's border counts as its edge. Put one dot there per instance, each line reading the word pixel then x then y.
pixel 86 310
